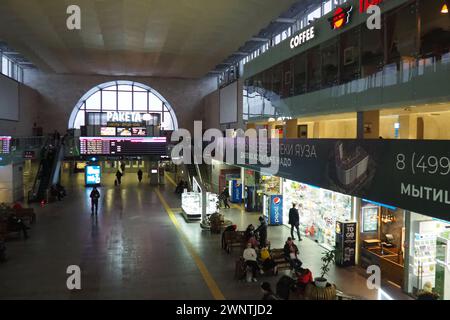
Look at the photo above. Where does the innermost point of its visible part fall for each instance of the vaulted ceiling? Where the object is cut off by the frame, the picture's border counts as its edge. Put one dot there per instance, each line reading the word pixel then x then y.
pixel 167 38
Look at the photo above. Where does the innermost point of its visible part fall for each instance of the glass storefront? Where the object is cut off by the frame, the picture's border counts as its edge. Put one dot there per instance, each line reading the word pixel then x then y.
pixel 429 255
pixel 319 210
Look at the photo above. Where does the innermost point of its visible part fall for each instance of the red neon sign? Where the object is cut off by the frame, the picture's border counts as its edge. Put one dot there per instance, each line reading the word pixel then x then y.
pixel 365 4
pixel 340 18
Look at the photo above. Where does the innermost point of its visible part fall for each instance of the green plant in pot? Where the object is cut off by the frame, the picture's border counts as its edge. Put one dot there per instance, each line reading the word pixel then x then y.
pixel 327 258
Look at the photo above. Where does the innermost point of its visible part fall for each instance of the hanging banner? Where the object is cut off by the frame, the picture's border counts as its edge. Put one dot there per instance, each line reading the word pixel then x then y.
pixel 409 174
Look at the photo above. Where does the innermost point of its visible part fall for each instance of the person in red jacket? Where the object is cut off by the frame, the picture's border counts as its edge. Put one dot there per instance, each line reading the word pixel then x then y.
pixel 304 277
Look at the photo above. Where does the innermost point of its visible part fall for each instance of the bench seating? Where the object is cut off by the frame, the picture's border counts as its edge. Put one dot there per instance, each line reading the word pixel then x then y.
pixel 233 239
pixel 278 257
pixel 26 214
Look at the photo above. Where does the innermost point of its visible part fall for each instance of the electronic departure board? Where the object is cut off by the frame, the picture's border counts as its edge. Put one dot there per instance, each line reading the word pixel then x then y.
pixel 5 145
pixel 129 146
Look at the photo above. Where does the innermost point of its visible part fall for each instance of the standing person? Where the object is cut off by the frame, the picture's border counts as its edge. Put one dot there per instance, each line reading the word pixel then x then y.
pixel 294 221
pixel 119 177
pixel 139 174
pixel 262 231
pixel 95 195
pixel 122 167
pixel 225 196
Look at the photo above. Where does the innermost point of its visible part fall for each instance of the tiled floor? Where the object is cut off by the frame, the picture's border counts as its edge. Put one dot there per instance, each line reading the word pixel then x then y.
pixel 134 250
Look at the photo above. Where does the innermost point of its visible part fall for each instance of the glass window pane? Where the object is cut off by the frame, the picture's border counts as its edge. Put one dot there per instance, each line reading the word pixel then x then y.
pixel 287 88
pixel 109 101
pixel 140 101
pixel 277 74
pixel 350 55
pixel 300 74
pixel 372 58
pixel 79 120
pixel 125 88
pixel 327 7
pixel 400 25
pixel 329 64
pixel 154 104
pixel 314 69
pixel 4 65
pixel 434 29
pixel 93 102
pixel 125 101
pixel 136 88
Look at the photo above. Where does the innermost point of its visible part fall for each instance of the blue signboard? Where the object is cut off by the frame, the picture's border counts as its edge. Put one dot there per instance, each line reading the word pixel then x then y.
pixel 276 210
pixel 236 191
pixel 93 175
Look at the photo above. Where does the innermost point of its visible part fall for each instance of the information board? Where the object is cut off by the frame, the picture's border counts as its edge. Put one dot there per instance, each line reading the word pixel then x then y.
pixel 131 146
pixel 5 145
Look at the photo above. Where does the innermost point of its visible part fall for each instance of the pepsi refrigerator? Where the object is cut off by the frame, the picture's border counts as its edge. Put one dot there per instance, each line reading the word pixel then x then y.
pixel 273 209
pixel 250 199
pixel 345 243
pixel 235 190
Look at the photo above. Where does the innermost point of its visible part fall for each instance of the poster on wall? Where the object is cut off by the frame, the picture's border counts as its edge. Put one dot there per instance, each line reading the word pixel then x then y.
pixel 412 175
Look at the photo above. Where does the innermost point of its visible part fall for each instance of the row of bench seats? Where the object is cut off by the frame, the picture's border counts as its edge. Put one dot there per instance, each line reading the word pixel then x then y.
pixel 26 214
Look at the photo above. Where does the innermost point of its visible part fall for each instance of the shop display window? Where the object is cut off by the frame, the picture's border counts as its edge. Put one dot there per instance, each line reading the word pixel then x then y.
pixel 319 210
pixel 429 255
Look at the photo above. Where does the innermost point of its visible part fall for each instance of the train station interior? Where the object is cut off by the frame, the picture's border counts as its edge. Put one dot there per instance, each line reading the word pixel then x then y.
pixel 225 150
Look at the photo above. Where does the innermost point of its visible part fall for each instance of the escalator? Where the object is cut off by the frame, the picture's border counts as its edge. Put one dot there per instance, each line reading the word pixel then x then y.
pixel 48 173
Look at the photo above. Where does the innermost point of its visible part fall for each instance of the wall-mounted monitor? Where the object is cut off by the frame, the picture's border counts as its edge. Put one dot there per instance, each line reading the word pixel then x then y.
pixel 130 146
pixel 108 131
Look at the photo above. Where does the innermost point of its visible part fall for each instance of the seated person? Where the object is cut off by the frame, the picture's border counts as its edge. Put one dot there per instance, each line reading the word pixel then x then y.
pixel 304 277
pixel 291 254
pixel 249 232
pixel 231 228
pixel 250 257
pixel 267 262
pixel 16 224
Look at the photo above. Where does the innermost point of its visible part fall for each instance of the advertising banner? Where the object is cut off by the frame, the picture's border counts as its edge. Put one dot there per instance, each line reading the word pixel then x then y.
pixel 276 210
pixel 408 174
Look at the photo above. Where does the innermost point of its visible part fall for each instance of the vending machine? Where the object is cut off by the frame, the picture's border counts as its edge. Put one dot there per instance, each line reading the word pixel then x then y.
pixel 250 199
pixel 345 243
pixel 235 190
pixel 273 209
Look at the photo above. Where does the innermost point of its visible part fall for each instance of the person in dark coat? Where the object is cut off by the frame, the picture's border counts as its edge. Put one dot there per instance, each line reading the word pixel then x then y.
pixel 225 196
pixel 262 231
pixel 139 174
pixel 95 195
pixel 294 221
pixel 119 177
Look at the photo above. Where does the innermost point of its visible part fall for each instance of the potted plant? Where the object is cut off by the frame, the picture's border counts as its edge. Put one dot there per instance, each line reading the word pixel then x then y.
pixel 327 258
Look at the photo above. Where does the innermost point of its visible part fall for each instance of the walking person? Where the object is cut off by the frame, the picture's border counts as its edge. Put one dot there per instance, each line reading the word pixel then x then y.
pixel 119 177
pixel 225 196
pixel 294 221
pixel 122 168
pixel 139 174
pixel 95 195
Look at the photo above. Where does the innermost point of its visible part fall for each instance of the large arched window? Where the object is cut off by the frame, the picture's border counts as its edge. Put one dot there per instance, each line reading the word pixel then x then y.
pixel 122 96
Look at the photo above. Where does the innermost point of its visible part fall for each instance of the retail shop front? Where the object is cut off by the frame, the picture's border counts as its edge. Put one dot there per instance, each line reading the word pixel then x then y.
pixel 378 188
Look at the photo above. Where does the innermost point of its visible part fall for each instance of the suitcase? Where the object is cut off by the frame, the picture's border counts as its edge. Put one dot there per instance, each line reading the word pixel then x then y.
pixel 240 269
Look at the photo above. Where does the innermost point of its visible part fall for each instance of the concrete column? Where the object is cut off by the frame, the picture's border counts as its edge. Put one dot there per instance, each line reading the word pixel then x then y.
pixel 291 129
pixel 368 124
